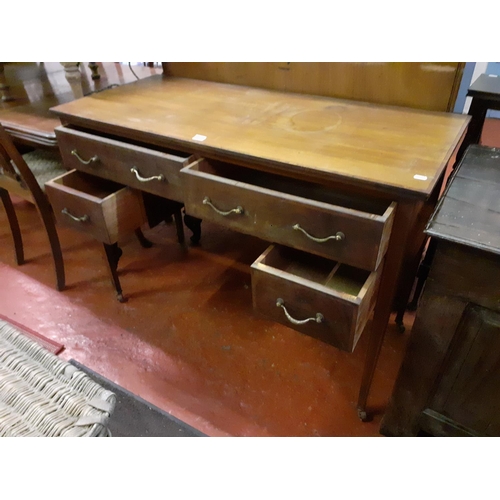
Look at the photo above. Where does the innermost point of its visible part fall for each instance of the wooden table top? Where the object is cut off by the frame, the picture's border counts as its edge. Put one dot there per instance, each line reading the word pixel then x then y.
pixel 321 138
pixel 469 210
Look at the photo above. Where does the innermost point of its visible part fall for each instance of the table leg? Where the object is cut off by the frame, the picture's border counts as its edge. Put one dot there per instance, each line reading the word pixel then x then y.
pixel 413 256
pixel 74 77
pixel 113 253
pixel 194 224
pixel 178 226
pixel 404 222
pixel 145 243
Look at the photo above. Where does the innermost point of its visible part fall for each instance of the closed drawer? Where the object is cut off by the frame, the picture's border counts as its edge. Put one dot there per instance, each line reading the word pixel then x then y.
pixel 294 213
pixel 315 296
pixel 155 172
pixel 100 208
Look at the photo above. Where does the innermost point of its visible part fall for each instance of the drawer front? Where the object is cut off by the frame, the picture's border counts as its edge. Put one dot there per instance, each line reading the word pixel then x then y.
pixel 141 168
pixel 106 218
pixel 350 236
pixel 332 316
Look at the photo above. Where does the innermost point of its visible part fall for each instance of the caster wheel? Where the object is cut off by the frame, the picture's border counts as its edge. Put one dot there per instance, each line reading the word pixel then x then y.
pixel 364 416
pixel 121 298
pixel 401 327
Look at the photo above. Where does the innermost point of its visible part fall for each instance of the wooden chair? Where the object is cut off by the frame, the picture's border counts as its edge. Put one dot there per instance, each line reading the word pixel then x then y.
pixel 25 176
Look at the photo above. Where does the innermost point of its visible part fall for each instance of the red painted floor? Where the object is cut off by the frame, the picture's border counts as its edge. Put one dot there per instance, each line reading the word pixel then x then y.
pixel 187 340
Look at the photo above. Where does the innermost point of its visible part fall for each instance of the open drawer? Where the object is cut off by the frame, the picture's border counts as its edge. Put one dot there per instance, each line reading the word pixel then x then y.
pixel 302 215
pixel 145 168
pixel 315 296
pixel 99 207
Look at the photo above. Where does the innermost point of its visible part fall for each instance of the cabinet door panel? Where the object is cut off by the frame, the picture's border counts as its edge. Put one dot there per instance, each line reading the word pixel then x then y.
pixel 467 392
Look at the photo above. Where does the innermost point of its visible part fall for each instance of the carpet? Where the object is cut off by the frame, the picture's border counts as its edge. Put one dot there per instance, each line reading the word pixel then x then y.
pixel 135 417
pixel 51 345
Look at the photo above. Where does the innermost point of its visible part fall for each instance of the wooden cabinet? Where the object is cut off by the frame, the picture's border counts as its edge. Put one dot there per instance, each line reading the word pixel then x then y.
pixel 341 181
pixel 448 382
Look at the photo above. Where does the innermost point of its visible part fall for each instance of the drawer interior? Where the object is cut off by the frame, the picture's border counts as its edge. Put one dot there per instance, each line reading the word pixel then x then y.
pixel 339 277
pixel 290 186
pixel 88 184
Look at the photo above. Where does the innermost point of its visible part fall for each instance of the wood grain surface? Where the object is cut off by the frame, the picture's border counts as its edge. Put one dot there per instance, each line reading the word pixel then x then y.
pixel 421 85
pixel 326 138
pixel 469 211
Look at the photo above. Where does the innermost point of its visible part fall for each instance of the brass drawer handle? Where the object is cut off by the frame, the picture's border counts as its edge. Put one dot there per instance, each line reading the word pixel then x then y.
pixel 138 176
pixel 237 210
pixel 81 160
pixel 337 237
pixel 318 318
pixel 83 218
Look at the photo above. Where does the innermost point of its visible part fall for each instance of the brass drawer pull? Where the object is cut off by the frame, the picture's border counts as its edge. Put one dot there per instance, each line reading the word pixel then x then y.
pixel 83 218
pixel 81 160
pixel 237 210
pixel 318 318
pixel 160 177
pixel 337 237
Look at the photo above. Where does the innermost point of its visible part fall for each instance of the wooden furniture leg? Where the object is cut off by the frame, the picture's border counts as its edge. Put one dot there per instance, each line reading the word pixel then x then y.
pixel 74 77
pixel 14 226
pixel 47 217
pixel 415 249
pixel 95 71
pixel 404 221
pixel 179 226
pixel 113 253
pixel 145 243
pixel 423 273
pixel 194 224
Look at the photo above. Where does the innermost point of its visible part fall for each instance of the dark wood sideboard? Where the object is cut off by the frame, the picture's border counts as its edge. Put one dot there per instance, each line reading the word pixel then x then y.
pixel 449 381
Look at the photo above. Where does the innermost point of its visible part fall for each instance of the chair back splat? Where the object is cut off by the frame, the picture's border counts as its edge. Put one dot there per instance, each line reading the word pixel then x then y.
pixel 18 178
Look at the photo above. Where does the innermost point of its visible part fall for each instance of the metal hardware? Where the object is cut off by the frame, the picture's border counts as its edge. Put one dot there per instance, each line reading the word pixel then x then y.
pixel 160 177
pixel 85 162
pixel 237 210
pixel 318 318
pixel 337 237
pixel 83 218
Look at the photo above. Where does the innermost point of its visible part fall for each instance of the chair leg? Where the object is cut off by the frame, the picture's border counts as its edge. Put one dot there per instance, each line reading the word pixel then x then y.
pixel 50 228
pixel 14 226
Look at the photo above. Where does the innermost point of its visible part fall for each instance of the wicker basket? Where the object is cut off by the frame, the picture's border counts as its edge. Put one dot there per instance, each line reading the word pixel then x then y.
pixel 42 395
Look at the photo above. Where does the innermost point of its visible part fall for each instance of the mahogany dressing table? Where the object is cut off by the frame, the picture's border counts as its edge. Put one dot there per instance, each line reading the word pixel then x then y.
pixel 340 189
